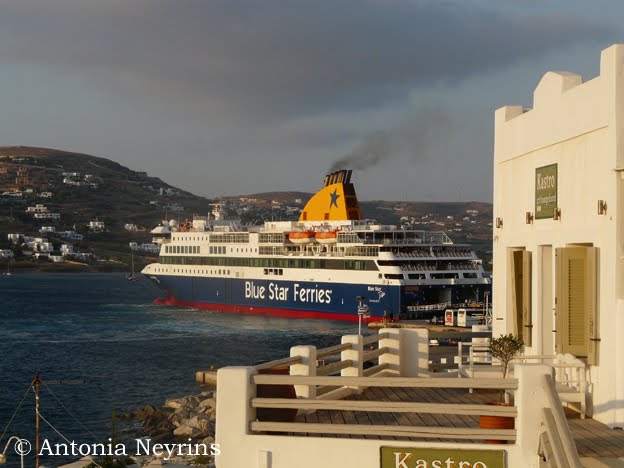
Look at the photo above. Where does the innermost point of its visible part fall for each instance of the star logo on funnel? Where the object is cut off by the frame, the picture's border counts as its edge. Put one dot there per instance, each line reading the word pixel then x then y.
pixel 334 199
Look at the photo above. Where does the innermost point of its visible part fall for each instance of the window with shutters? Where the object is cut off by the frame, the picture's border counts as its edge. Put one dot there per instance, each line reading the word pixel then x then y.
pixel 520 289
pixel 576 308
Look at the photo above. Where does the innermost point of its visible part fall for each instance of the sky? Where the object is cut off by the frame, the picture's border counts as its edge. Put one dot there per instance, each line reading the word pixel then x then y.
pixel 226 97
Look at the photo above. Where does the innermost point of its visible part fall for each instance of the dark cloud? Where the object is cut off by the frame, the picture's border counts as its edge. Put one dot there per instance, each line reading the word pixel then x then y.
pixel 244 59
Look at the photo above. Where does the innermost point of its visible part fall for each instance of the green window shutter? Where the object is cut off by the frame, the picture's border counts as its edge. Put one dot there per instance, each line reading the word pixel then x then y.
pixel 515 275
pixel 527 321
pixel 577 320
pixel 592 306
pixel 520 275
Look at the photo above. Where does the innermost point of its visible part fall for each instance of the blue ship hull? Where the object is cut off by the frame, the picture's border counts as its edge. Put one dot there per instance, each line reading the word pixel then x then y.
pixel 277 297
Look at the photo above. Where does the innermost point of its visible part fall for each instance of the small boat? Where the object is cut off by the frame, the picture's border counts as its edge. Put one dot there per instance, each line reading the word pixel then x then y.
pixel 302 237
pixel 326 237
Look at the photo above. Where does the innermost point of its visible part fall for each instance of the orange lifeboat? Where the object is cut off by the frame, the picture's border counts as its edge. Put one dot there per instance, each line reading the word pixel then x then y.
pixel 301 237
pixel 326 237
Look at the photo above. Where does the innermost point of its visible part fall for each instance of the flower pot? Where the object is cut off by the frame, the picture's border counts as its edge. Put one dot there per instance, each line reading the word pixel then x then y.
pixel 276 391
pixel 496 422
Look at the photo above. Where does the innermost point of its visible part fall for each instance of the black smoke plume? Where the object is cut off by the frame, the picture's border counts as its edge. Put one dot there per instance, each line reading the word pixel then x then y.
pixel 413 136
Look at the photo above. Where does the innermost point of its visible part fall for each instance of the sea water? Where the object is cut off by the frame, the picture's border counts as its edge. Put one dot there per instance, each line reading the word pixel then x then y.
pixel 105 331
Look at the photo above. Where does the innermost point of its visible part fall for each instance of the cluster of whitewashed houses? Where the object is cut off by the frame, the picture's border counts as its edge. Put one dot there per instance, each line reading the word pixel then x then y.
pixel 41 247
pixel 77 180
pixel 40 211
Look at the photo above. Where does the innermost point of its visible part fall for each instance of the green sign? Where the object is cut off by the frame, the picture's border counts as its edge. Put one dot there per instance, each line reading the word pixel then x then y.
pixel 545 191
pixel 403 457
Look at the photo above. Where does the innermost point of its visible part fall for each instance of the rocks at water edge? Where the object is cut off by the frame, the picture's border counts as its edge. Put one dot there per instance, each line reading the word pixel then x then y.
pixel 191 416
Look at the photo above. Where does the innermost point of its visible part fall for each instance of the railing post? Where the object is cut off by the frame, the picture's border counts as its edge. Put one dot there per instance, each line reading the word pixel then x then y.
pixel 412 359
pixel 234 412
pixel 530 398
pixel 356 354
pixel 561 423
pixel 306 367
pixel 393 356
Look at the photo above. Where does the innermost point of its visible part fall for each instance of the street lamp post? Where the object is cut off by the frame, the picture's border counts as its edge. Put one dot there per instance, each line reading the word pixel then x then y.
pixel 19 448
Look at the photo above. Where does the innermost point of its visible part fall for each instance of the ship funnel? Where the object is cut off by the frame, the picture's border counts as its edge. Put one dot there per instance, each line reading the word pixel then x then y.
pixel 336 201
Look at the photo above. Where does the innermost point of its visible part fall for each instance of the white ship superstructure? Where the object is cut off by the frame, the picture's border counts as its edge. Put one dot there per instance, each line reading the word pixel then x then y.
pixel 317 267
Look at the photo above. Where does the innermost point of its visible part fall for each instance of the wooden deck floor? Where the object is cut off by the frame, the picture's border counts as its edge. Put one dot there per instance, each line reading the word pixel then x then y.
pixel 593 439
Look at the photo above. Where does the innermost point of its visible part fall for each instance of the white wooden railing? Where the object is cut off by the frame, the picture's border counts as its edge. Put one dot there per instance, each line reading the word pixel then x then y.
pixel 468 433
pixel 399 360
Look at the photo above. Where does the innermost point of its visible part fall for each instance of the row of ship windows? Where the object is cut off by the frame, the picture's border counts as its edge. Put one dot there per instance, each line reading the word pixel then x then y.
pixel 432 275
pixel 183 249
pixel 194 249
pixel 238 238
pixel 280 272
pixel 331 264
pixel 198 272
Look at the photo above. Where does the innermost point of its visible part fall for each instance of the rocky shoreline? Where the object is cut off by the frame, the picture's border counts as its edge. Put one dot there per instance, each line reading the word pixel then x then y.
pixel 188 419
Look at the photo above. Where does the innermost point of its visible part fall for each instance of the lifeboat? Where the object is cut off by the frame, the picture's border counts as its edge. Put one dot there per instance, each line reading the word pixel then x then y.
pixel 301 237
pixel 326 237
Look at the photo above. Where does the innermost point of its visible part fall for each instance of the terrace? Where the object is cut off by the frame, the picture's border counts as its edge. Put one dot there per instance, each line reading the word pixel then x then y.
pixel 382 393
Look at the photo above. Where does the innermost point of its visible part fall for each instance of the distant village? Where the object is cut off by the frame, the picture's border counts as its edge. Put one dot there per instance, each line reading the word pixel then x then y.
pixel 37 199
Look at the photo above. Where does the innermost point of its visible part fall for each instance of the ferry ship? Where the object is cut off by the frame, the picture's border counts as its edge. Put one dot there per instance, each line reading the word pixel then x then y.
pixel 324 265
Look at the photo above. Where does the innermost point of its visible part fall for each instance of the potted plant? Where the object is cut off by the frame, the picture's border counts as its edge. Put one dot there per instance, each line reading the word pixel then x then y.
pixel 503 348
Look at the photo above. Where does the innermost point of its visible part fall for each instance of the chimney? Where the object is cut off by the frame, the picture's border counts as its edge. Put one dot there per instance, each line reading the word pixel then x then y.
pixel 348 176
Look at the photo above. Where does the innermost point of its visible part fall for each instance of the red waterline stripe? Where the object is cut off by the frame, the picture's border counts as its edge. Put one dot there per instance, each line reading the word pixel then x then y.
pixel 270 311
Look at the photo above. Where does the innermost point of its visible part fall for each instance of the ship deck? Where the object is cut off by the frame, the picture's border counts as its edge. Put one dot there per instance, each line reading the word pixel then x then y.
pixel 593 439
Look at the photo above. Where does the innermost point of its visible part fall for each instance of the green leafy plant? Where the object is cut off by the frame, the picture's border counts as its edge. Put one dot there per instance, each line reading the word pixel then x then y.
pixel 505 348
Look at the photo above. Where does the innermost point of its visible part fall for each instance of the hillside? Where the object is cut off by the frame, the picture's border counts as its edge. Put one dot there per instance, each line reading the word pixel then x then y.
pixel 101 189
pixel 80 188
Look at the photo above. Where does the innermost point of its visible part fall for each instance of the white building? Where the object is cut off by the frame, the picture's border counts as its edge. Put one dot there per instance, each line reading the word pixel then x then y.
pixel 44 229
pixel 67 249
pixel 47 215
pixel 40 246
pixel 131 227
pixel 6 253
pixel 14 237
pixel 145 247
pixel 175 207
pixel 73 235
pixel 82 256
pixel 38 208
pixel 559 225
pixel 97 226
